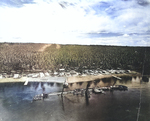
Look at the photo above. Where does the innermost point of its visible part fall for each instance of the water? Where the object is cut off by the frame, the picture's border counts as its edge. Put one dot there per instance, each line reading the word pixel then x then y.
pixel 16 103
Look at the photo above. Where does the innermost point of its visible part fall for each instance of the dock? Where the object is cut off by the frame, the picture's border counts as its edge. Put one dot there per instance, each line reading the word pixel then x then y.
pixel 58 93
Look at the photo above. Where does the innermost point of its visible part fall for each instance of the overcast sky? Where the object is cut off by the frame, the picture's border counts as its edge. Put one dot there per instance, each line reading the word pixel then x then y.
pixel 103 22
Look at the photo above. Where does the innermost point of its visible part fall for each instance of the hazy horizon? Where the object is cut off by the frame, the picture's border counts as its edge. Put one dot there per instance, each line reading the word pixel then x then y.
pixel 85 22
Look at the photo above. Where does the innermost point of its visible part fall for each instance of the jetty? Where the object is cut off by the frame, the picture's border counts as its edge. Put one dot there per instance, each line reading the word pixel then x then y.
pixel 81 92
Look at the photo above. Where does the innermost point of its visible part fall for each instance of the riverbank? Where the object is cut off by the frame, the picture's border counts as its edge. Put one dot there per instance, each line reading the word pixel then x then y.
pixel 98 77
pixel 8 80
pixel 70 77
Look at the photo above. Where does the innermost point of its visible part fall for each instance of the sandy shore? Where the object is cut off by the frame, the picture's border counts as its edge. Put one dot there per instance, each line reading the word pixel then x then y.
pixel 71 79
pixel 75 79
pixel 5 80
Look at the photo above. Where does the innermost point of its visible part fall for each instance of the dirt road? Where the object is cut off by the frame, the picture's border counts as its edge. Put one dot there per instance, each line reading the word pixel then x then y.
pixel 44 47
pixel 47 45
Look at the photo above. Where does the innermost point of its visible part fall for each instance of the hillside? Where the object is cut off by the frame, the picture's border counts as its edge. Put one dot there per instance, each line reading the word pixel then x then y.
pixel 23 57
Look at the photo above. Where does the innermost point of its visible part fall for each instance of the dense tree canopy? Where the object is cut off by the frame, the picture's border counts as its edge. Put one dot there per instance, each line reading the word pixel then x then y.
pixel 25 56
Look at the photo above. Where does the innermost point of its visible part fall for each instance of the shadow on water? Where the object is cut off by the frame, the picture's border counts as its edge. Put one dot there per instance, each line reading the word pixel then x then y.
pixel 62 100
pixel 105 82
pixel 87 93
pixel 87 99
pixel 145 78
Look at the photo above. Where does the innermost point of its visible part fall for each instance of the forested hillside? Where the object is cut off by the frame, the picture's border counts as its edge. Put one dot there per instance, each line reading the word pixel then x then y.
pixel 26 56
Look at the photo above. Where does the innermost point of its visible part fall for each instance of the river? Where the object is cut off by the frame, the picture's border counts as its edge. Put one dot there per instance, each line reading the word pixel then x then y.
pixel 132 105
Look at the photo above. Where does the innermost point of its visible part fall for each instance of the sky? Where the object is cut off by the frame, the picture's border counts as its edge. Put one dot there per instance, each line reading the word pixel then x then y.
pixel 86 22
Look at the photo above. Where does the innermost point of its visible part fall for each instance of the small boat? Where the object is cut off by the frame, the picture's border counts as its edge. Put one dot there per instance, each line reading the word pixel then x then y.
pixel 119 87
pixel 98 90
pixel 79 92
pixel 105 88
pixel 40 97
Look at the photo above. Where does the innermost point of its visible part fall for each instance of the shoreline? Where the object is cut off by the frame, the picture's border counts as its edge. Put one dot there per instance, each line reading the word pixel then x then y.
pixel 70 79
pixel 11 80
pixel 98 77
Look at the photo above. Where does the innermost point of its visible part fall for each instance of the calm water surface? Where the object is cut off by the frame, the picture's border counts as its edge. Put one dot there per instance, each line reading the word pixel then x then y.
pixel 16 103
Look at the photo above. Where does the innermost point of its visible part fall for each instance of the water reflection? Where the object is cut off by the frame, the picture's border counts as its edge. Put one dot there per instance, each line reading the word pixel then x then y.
pixel 19 92
pixel 16 102
pixel 106 82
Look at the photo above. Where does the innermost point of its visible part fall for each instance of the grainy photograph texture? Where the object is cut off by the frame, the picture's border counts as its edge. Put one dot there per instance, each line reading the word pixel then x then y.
pixel 74 60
